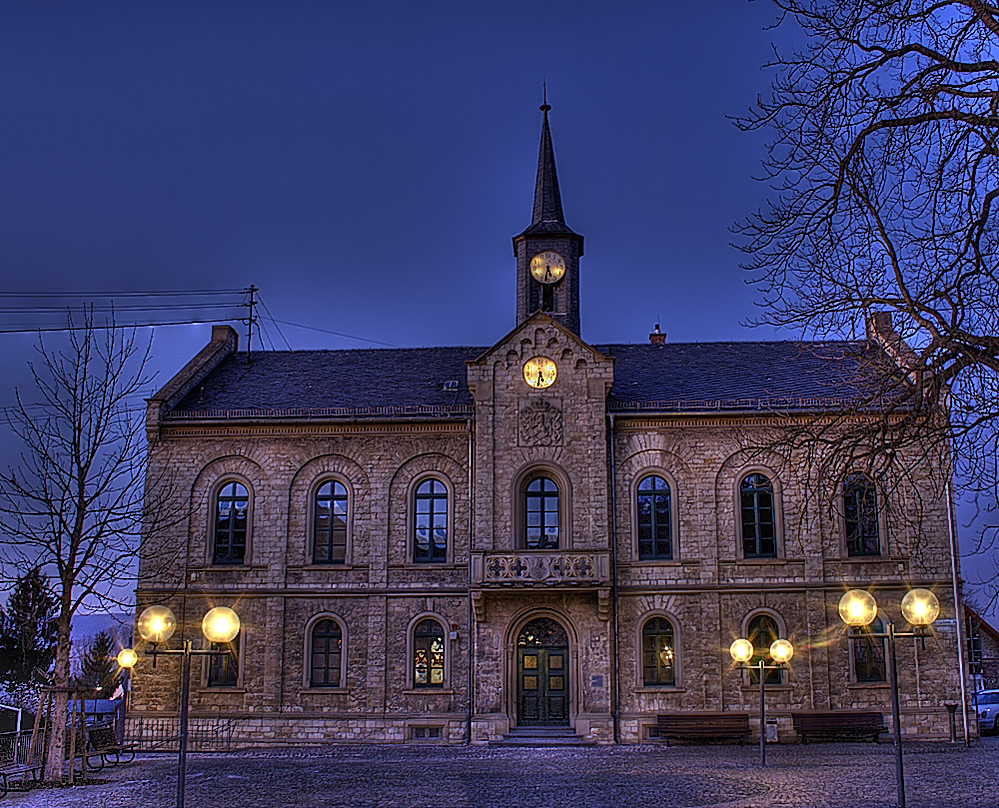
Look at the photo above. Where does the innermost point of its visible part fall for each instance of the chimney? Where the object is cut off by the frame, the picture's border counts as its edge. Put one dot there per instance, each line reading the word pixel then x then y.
pixel 657 337
pixel 878 326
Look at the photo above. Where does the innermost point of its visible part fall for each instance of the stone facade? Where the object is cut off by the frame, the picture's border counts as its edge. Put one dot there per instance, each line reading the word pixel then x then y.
pixel 499 574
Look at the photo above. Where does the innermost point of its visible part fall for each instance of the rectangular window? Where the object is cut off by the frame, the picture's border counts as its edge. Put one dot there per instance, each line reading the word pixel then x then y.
pixel 223 669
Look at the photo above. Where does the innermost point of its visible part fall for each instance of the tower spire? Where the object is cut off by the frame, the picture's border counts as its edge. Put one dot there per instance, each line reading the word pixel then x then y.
pixel 547 199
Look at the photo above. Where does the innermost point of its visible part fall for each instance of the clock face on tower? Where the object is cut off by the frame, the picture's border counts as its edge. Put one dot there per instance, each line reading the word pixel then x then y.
pixel 547 267
pixel 540 372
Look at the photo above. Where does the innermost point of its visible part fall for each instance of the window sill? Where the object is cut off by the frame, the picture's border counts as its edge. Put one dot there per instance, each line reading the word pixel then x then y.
pixel 868 686
pixel 323 691
pixel 860 559
pixel 234 689
pixel 321 567
pixel 659 689
pixel 756 561
pixel 769 688
pixel 428 691
pixel 428 565
pixel 656 562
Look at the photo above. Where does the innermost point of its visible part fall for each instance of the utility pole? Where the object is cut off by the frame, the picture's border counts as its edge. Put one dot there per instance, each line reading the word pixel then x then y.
pixel 252 318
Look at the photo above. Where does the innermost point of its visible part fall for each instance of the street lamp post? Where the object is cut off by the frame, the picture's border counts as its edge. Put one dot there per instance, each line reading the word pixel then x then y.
pixel 781 652
pixel 156 625
pixel 920 607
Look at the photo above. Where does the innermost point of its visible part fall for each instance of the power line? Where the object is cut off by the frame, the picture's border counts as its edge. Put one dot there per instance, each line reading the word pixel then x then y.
pixel 277 325
pixel 335 333
pixel 95 327
pixel 129 293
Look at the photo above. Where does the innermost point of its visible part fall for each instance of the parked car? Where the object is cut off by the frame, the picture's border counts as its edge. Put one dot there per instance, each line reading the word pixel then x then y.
pixel 988 711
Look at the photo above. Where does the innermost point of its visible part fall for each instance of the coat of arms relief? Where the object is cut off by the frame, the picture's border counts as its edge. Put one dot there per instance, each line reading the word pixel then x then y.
pixel 540 424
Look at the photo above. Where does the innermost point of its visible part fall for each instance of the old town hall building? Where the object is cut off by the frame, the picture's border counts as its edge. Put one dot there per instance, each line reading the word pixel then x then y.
pixel 468 544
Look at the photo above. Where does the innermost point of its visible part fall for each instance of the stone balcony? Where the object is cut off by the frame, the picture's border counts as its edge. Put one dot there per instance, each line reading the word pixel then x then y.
pixel 542 568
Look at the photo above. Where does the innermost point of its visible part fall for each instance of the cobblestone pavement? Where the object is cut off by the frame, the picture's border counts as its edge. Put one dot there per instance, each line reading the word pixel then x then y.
pixel 855 775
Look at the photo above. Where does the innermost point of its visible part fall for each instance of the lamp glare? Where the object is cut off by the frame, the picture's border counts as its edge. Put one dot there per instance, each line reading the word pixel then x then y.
pixel 127 658
pixel 858 608
pixel 741 650
pixel 156 624
pixel 781 651
pixel 920 607
pixel 220 625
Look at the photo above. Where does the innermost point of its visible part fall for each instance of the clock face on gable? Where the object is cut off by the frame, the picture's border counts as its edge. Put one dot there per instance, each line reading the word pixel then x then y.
pixel 540 372
pixel 547 267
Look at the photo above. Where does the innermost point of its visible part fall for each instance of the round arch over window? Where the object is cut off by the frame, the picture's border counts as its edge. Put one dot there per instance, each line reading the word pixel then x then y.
pixel 428 654
pixel 658 653
pixel 430 529
pixel 758 516
pixel 761 630
pixel 541 514
pixel 325 653
pixel 329 523
pixel 654 518
pixel 230 523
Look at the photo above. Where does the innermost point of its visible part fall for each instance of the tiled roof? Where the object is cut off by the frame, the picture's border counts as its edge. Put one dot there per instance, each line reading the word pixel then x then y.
pixel 726 376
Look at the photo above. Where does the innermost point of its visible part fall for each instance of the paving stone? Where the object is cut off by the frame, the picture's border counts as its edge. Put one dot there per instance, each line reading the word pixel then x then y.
pixel 411 776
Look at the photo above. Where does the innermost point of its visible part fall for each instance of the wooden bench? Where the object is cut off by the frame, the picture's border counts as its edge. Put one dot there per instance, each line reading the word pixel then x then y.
pixel 105 745
pixel 703 726
pixel 18 776
pixel 838 724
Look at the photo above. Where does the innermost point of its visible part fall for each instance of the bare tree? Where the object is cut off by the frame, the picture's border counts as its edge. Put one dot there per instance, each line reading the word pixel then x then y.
pixel 884 170
pixel 74 505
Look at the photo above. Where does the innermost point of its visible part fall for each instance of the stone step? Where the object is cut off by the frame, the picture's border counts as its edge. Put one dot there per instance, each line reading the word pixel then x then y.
pixel 542 736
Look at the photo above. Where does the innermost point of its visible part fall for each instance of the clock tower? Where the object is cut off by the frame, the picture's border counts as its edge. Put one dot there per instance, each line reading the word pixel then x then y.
pixel 548 252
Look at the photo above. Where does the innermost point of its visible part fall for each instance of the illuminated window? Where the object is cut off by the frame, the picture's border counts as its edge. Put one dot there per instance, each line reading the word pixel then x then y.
pixel 860 508
pixel 868 652
pixel 759 521
pixel 223 669
pixel 761 631
pixel 655 519
pixel 430 523
pixel 232 504
pixel 541 515
pixel 326 654
pixel 658 653
pixel 428 654
pixel 329 529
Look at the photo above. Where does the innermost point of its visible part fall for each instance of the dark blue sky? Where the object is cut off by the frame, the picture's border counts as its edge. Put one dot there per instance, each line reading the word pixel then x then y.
pixel 366 164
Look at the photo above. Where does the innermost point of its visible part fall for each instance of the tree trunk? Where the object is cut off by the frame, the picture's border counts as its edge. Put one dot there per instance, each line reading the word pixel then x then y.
pixel 55 758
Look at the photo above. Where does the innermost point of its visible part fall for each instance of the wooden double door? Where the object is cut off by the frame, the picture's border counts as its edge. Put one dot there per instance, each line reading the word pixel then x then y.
pixel 542 675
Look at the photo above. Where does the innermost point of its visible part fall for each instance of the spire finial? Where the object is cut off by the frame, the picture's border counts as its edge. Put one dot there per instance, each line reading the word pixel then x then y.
pixel 544 98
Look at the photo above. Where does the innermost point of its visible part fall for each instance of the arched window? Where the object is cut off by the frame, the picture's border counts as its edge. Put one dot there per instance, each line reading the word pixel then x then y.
pixel 658 653
pixel 232 505
pixel 759 521
pixel 868 652
pixel 326 654
pixel 329 529
pixel 860 509
pixel 223 669
pixel 428 654
pixel 761 631
pixel 541 515
pixel 430 523
pixel 655 519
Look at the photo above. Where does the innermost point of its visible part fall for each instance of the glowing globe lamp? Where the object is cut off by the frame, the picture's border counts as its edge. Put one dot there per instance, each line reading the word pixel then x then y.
pixel 127 658
pixel 781 651
pixel 920 607
pixel 157 624
pixel 858 608
pixel 220 625
pixel 741 650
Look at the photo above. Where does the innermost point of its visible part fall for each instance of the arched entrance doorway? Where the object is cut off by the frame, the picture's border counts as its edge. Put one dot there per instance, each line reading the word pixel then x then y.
pixel 543 674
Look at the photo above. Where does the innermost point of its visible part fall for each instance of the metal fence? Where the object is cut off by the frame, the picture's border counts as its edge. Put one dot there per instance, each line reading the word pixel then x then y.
pixel 163 734
pixel 15 747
